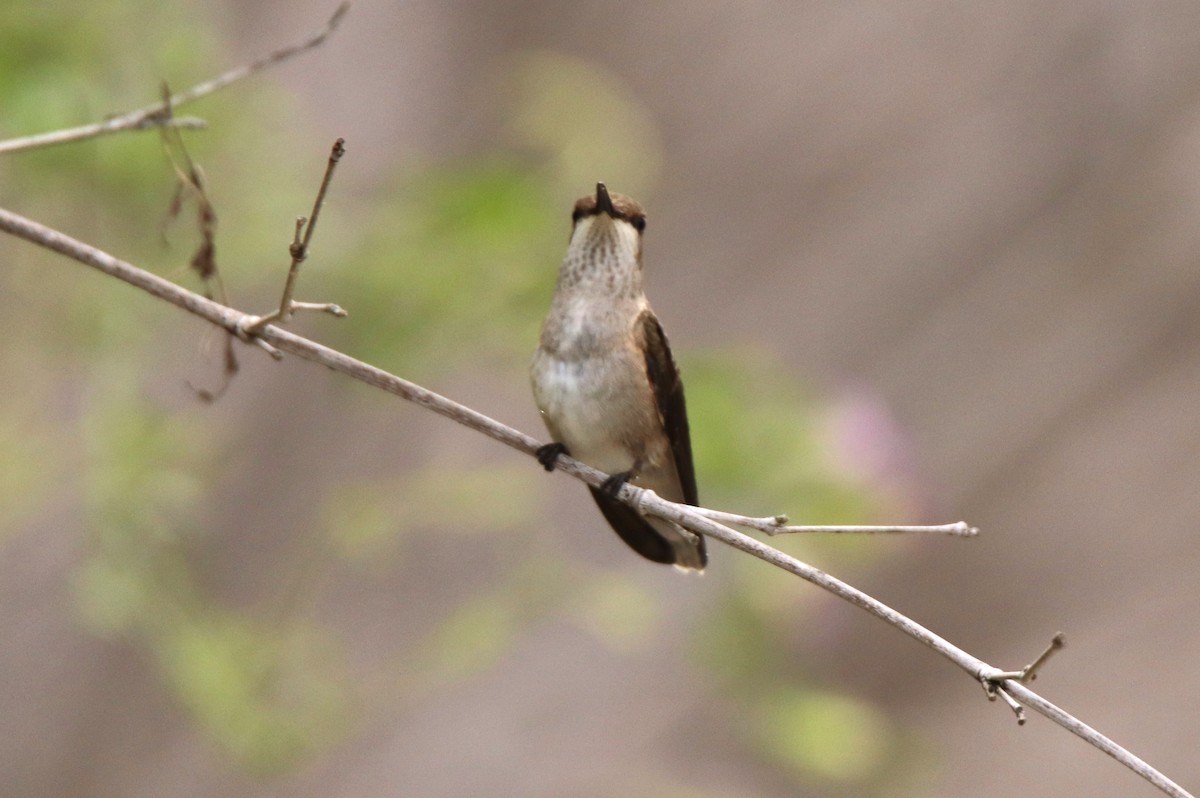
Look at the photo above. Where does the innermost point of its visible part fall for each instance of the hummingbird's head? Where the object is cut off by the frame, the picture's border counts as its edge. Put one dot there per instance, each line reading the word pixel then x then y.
pixel 606 241
pixel 614 206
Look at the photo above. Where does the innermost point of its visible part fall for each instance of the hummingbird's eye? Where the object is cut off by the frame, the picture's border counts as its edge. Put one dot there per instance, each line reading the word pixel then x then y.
pixel 638 222
pixel 577 214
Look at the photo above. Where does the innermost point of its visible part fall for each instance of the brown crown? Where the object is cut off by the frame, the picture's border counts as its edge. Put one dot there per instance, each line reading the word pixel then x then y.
pixel 615 205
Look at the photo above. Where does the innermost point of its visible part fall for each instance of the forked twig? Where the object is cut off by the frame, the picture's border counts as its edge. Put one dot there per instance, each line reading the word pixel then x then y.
pixel 299 252
pixel 997 684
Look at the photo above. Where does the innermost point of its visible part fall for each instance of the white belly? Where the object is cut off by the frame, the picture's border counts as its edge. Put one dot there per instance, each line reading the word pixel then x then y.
pixel 582 410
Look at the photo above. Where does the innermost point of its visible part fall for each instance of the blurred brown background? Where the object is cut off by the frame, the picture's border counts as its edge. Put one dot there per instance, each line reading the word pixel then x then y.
pixel 973 222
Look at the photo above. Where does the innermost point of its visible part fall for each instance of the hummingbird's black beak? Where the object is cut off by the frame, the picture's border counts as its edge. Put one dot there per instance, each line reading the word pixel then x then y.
pixel 603 201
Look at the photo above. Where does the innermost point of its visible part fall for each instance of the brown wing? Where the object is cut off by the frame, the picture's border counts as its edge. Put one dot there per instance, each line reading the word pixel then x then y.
pixel 668 394
pixel 633 529
pixel 672 409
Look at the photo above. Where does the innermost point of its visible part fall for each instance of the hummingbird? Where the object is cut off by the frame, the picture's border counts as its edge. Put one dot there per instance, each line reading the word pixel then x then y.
pixel 606 384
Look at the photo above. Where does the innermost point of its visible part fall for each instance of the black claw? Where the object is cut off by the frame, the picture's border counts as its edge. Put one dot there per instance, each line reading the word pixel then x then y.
pixel 548 455
pixel 612 486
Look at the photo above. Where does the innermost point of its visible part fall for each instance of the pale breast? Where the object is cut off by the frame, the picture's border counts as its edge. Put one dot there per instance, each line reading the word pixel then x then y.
pixel 599 407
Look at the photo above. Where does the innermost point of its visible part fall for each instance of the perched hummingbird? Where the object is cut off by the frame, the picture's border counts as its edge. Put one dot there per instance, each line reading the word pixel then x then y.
pixel 606 384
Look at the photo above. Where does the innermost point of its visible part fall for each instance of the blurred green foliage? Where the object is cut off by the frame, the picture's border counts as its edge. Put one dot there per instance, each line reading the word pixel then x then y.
pixel 456 255
pixel 823 734
pixel 463 253
pixel 500 500
pixel 762 444
pixel 582 121
pixel 266 691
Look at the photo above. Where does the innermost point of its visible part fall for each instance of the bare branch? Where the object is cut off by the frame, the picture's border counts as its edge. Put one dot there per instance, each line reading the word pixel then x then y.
pixel 158 114
pixel 994 680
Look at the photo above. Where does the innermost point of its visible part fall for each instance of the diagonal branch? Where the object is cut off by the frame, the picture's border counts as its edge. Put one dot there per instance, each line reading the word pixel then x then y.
pixel 995 680
pixel 159 114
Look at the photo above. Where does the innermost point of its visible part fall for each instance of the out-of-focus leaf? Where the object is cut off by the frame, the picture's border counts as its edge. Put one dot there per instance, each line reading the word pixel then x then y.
pixel 268 692
pixel 586 120
pixel 472 500
pixel 29 457
pixel 616 609
pixel 462 267
pixel 757 436
pixel 471 639
pixel 361 520
pixel 830 736
pixel 738 644
pixel 365 519
pixel 269 696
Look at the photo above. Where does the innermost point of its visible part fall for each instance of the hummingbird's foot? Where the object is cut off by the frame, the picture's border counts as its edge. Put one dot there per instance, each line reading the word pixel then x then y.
pixel 548 455
pixel 612 486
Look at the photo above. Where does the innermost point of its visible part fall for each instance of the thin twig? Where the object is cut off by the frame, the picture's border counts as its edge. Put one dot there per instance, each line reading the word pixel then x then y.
pixel 142 119
pixel 1029 672
pixel 958 529
pixel 645 501
pixel 152 115
pixel 335 156
pixel 778 525
pixel 299 252
pixel 994 689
